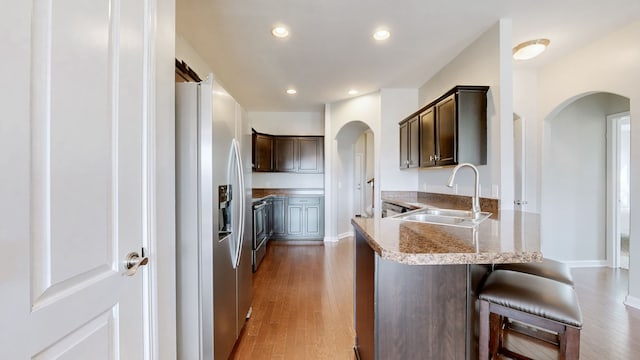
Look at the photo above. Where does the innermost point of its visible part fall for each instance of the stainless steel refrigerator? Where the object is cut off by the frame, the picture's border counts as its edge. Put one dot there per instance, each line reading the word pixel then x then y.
pixel 214 228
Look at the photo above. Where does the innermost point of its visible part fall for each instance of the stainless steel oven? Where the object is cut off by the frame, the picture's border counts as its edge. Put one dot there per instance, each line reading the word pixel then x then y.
pixel 259 245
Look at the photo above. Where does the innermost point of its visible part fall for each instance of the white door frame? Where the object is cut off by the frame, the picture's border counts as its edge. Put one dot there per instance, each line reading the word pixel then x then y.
pixel 161 315
pixel 614 123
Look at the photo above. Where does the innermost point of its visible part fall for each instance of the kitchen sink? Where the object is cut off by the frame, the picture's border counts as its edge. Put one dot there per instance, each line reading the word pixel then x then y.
pixel 463 218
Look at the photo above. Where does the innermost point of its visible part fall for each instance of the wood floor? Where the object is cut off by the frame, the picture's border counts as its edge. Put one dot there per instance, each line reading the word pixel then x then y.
pixel 302 304
pixel 303 300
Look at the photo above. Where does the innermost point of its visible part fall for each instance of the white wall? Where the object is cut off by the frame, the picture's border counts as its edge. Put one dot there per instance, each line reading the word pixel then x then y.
pixel 487 61
pixel 396 104
pixel 610 64
pixel 288 123
pixel 186 53
pixel 574 184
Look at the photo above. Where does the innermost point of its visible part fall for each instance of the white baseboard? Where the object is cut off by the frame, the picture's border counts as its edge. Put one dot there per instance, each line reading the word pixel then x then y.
pixel 632 301
pixel 586 263
pixel 331 239
pixel 338 238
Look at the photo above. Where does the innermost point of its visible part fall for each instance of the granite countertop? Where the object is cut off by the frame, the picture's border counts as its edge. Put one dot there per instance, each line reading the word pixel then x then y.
pixel 506 237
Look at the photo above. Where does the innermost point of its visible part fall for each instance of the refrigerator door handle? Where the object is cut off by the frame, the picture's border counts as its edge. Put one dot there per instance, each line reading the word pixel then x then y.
pixel 238 164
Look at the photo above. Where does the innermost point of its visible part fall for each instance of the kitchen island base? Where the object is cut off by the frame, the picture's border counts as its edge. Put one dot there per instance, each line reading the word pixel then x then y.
pixel 407 311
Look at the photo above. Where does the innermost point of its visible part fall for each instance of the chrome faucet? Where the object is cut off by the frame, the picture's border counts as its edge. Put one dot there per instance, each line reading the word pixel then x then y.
pixel 475 200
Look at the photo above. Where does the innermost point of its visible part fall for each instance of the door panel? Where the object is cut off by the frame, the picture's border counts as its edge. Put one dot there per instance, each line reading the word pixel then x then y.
pixel 427 138
pixel 295 218
pixel 404 145
pixel 446 125
pixel 285 154
pixel 310 154
pixel 88 339
pixel 84 163
pixel 518 164
pixel 312 220
pixel 414 142
pixel 279 216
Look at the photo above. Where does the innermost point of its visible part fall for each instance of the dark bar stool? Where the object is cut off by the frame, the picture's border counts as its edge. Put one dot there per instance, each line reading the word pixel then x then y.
pixel 548 268
pixel 533 300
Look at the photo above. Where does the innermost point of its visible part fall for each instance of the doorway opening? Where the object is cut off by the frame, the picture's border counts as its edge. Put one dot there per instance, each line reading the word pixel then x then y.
pixel 364 185
pixel 619 139
pixel 577 221
pixel 354 174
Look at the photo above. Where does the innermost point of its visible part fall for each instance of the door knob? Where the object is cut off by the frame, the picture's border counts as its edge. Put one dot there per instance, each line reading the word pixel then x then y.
pixel 134 261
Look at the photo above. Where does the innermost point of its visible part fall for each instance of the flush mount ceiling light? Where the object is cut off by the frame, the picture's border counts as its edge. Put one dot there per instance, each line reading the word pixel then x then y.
pixel 530 49
pixel 280 32
pixel 291 91
pixel 381 34
pixel 353 92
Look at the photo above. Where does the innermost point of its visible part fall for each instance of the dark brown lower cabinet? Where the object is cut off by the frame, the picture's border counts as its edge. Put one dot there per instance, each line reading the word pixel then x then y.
pixel 413 311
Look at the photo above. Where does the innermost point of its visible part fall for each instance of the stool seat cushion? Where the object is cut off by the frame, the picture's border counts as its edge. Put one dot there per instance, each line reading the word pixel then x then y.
pixel 532 294
pixel 548 268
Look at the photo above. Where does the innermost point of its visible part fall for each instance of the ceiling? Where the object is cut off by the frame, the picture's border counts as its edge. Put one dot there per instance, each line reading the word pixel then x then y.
pixel 331 50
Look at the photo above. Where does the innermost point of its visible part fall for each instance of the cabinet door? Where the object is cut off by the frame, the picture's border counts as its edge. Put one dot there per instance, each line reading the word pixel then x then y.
pixel 427 138
pixel 312 220
pixel 279 218
pixel 311 154
pixel 268 219
pixel 295 220
pixel 446 131
pixel 404 145
pixel 414 142
pixel 285 154
pixel 262 152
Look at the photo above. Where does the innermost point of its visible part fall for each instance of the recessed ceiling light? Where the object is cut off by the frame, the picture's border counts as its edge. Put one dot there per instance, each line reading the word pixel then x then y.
pixel 291 91
pixel 530 49
pixel 353 92
pixel 280 32
pixel 381 34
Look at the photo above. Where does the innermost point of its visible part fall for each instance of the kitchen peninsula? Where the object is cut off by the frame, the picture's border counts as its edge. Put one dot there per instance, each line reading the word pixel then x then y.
pixel 415 282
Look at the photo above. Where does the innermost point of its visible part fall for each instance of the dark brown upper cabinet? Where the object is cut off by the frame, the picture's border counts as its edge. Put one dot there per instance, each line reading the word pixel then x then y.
pixel 311 154
pixel 453 128
pixel 295 154
pixel 285 154
pixel 262 152
pixel 410 143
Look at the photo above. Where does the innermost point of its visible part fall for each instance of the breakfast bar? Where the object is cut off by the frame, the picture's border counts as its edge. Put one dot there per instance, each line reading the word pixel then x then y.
pixel 416 282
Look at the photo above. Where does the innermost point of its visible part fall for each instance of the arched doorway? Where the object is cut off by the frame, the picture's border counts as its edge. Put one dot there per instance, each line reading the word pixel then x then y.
pixel 575 178
pixel 354 174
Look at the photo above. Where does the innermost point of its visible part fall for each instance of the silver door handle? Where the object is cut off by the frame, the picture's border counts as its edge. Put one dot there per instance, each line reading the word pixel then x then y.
pixel 134 261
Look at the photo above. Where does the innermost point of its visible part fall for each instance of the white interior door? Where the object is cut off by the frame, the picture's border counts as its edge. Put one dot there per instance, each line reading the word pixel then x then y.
pixel 359 184
pixel 519 164
pixel 73 182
